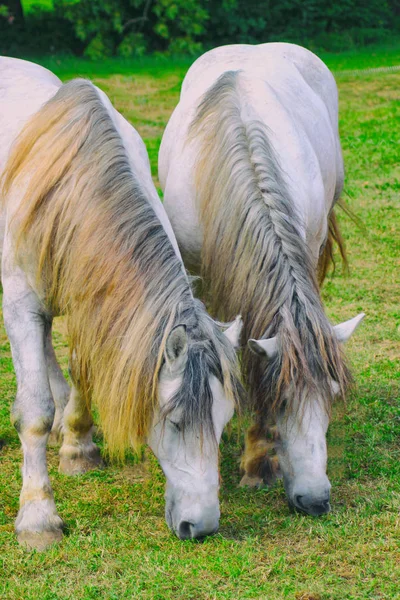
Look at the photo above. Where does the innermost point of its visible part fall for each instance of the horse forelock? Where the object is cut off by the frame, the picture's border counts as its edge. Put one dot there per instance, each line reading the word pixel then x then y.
pixel 104 259
pixel 255 261
pixel 209 355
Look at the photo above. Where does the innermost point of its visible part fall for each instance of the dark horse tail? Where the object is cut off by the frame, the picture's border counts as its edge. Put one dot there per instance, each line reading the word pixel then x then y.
pixel 327 257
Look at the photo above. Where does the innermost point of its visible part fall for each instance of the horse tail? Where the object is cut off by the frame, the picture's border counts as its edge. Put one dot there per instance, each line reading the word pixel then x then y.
pixel 327 257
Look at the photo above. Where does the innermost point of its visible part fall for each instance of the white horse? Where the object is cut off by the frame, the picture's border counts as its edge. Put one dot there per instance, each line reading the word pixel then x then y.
pixel 251 166
pixel 86 236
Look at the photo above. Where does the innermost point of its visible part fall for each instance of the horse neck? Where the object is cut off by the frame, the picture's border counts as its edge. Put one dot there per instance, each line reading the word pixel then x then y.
pixel 255 259
pixel 138 160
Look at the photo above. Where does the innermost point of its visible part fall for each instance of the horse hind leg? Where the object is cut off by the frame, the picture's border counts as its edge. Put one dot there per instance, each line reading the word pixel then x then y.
pixel 38 524
pixel 59 388
pixel 78 453
pixel 259 464
pixel 72 419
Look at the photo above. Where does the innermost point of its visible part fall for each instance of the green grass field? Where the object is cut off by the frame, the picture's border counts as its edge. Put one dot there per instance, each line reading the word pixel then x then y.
pixel 117 544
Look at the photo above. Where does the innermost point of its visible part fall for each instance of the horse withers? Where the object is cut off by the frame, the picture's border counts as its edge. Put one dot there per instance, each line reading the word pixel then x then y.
pixel 86 236
pixel 251 167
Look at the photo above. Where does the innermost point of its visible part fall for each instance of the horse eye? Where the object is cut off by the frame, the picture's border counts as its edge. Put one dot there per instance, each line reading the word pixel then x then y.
pixel 282 407
pixel 176 425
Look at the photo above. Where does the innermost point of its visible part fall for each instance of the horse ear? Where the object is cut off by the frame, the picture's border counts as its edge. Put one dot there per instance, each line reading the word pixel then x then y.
pixel 268 348
pixel 345 330
pixel 233 332
pixel 176 347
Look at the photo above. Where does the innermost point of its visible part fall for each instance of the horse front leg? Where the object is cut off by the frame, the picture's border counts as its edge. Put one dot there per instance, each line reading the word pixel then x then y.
pixel 78 453
pixel 259 464
pixel 38 524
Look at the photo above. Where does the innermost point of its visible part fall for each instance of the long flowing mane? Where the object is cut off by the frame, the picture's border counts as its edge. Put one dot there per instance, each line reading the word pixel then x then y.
pixel 104 259
pixel 254 258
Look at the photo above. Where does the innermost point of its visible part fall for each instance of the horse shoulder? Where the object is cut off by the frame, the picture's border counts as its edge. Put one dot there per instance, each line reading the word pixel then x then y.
pixel 20 78
pixel 292 112
pixel 210 65
pixel 321 81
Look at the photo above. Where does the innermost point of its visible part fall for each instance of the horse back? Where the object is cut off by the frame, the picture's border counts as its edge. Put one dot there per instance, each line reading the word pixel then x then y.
pixel 20 79
pixel 293 94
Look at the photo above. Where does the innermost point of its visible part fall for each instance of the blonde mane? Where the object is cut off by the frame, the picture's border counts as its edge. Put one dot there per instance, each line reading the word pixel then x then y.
pixel 254 259
pixel 104 259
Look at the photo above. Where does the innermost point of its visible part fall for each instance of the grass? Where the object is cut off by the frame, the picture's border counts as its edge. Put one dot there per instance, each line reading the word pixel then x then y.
pixel 117 544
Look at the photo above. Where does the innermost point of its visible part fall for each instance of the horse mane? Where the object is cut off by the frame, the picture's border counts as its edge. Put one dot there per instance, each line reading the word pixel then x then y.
pixel 263 269
pixel 104 259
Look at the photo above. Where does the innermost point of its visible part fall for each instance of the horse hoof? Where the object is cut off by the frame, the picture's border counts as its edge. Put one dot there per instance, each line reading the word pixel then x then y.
pixel 251 481
pixel 77 465
pixel 40 541
pixel 38 525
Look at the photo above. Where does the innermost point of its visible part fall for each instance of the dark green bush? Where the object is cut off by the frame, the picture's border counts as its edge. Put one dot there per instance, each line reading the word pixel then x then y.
pixel 40 32
pixel 252 21
pixel 131 28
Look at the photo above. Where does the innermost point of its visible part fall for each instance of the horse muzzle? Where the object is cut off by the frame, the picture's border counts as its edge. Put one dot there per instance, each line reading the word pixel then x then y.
pixel 314 502
pixel 192 520
pixel 311 506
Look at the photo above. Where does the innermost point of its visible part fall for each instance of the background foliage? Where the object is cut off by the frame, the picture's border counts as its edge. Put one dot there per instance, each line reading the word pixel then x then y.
pixel 131 28
pixel 117 545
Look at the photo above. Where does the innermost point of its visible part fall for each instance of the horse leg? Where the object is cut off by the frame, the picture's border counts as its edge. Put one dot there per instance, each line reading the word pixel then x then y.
pixel 259 461
pixel 38 524
pixel 59 389
pixel 78 453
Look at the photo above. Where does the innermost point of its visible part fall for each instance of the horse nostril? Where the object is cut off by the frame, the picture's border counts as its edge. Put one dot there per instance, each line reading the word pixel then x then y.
pixel 298 501
pixel 320 508
pixel 185 530
pixel 189 531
